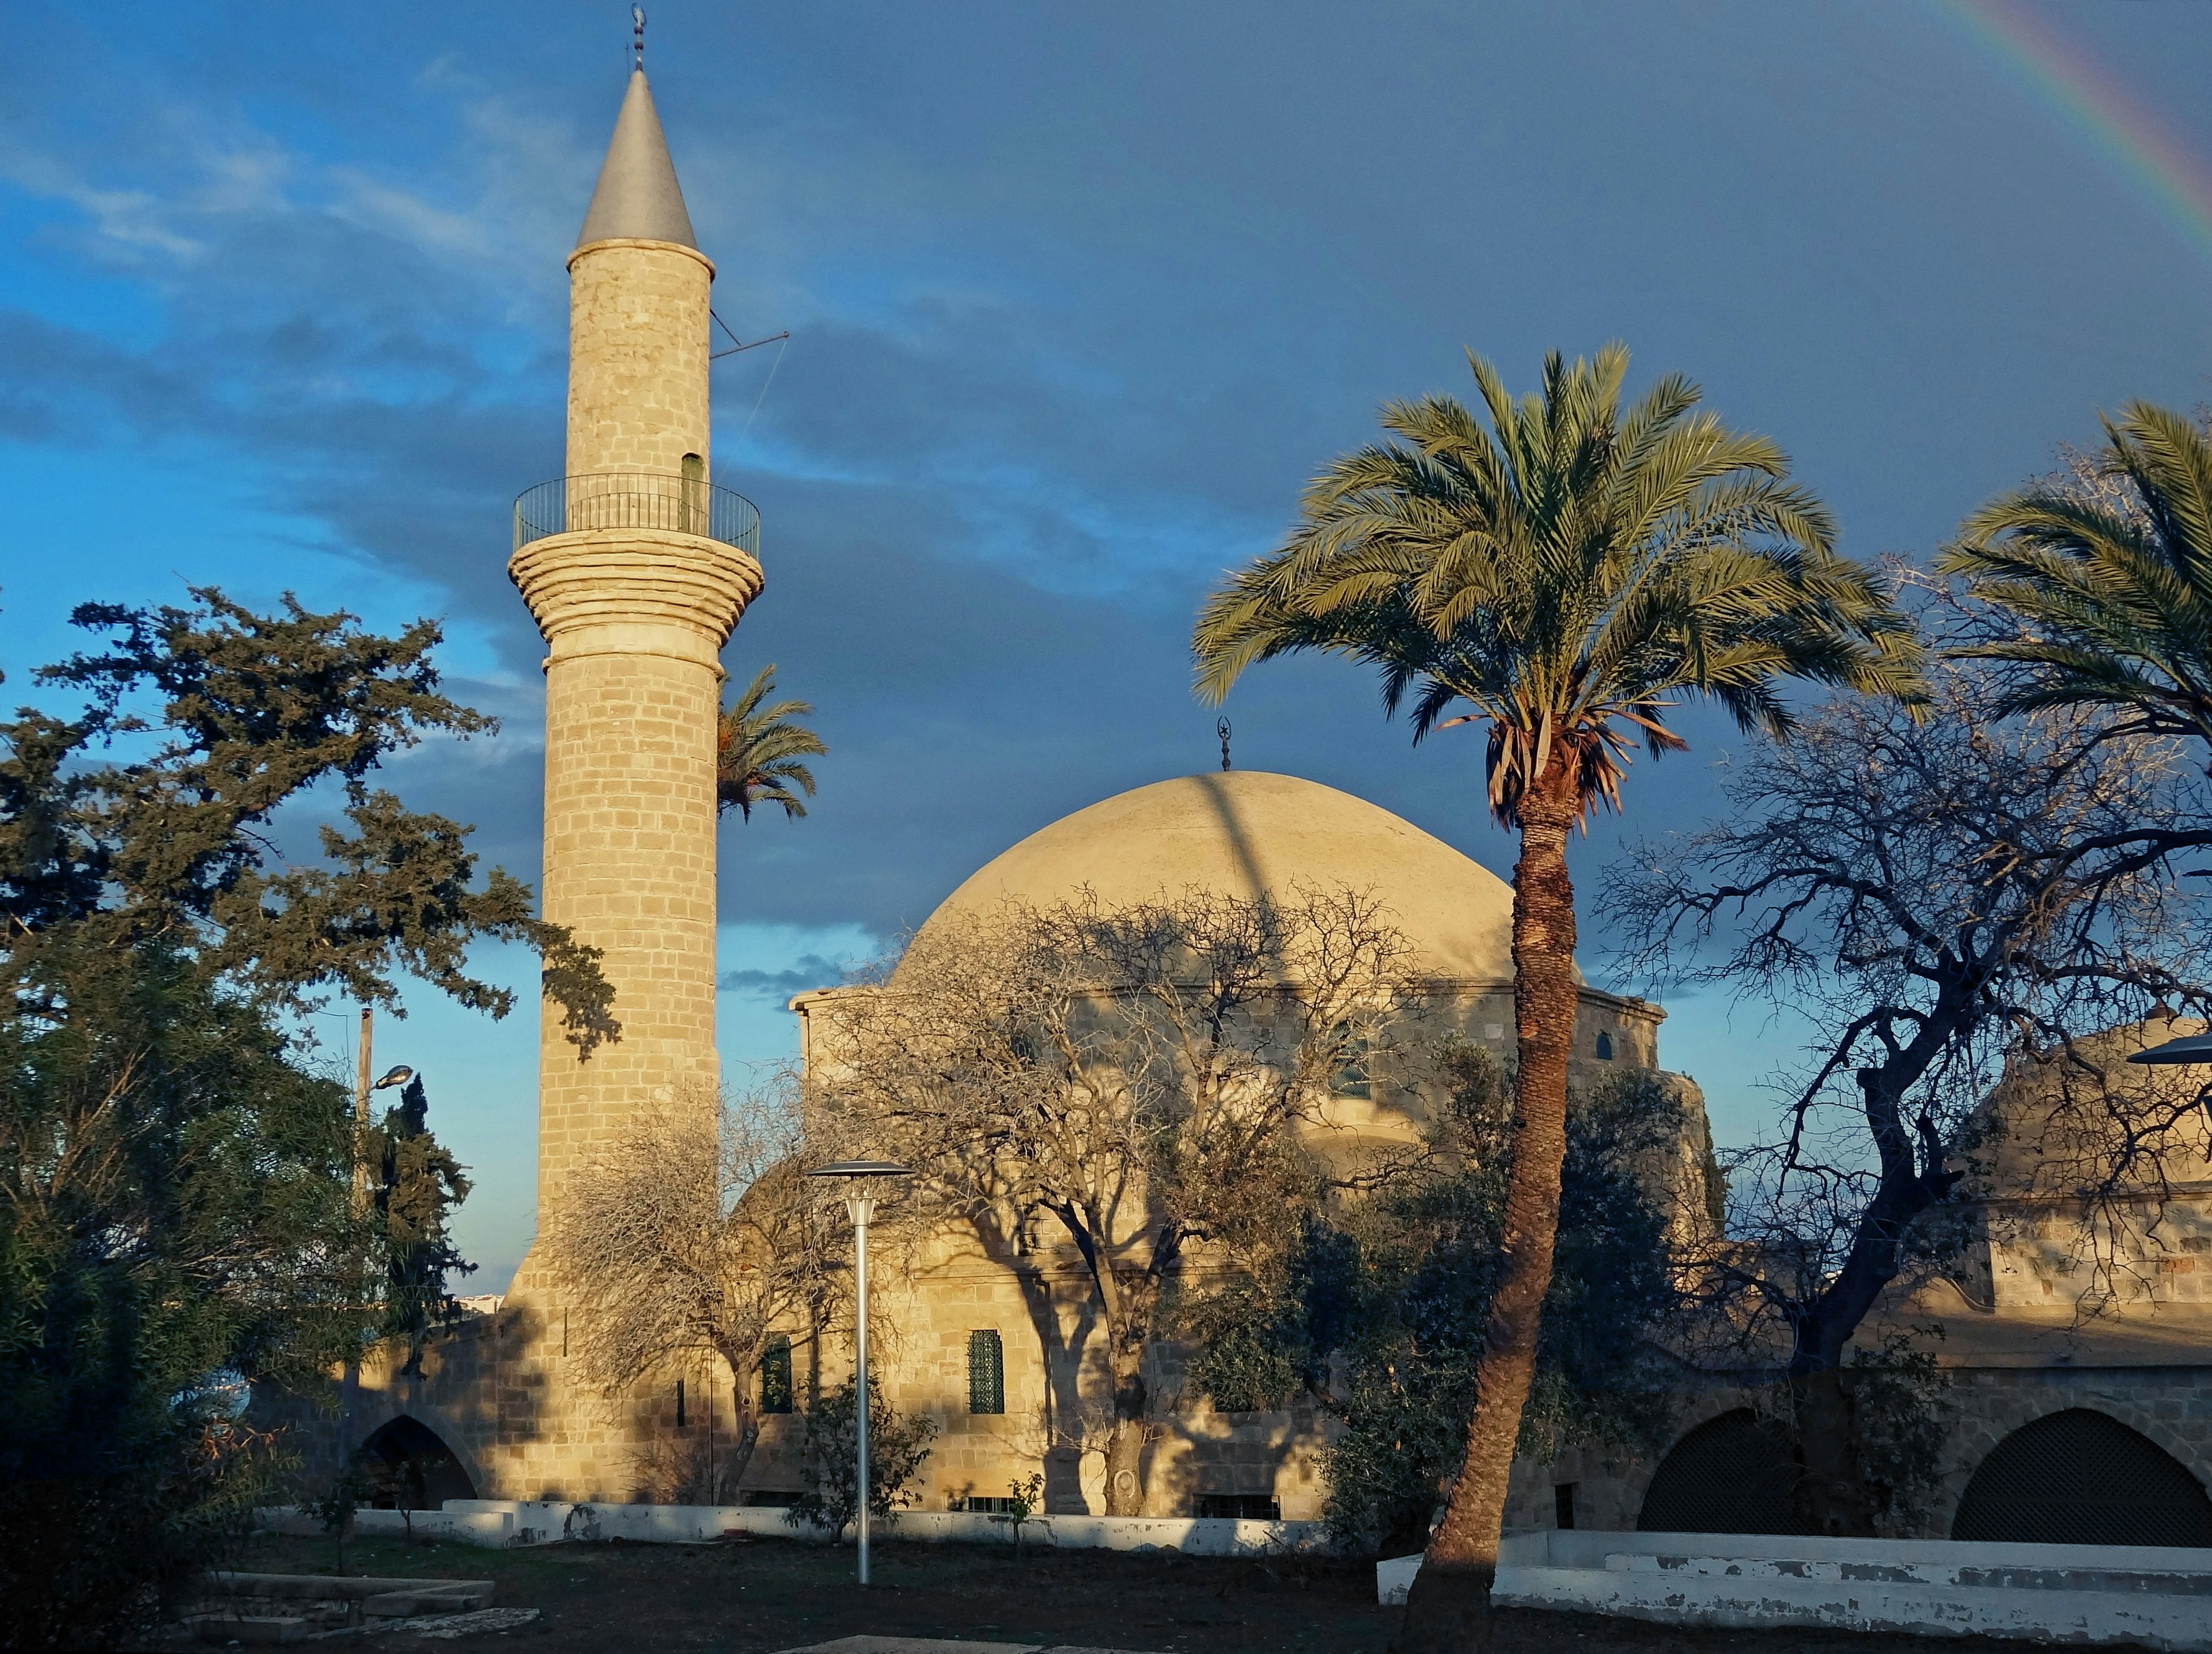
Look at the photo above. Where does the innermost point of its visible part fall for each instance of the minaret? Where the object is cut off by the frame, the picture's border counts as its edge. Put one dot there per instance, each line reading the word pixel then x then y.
pixel 637 569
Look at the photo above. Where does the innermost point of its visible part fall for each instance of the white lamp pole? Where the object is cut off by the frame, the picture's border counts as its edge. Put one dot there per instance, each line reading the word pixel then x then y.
pixel 861 1208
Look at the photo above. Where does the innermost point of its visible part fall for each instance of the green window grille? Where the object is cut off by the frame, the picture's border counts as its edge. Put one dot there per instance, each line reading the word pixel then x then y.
pixel 1351 1077
pixel 986 1372
pixel 2079 1477
pixel 775 1376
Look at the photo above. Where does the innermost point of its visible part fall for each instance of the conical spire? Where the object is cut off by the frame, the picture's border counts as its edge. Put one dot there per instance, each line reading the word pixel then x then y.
pixel 638 197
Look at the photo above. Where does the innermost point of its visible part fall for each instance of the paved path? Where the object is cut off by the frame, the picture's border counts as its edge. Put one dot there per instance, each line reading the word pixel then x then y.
pixel 941 1645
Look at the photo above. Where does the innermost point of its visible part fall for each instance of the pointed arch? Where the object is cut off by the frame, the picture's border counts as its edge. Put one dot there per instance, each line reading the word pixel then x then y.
pixel 1732 1474
pixel 2081 1477
pixel 411 1468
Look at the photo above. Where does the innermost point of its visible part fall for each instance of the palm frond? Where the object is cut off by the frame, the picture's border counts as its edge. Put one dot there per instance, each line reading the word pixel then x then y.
pixel 2112 586
pixel 757 749
pixel 1562 571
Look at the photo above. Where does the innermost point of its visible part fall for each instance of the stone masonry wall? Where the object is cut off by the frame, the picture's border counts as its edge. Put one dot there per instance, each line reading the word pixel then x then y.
pixel 2171 1406
pixel 634 619
pixel 638 324
pixel 629 865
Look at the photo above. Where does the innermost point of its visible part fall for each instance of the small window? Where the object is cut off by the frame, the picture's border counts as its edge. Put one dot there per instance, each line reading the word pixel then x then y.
pixel 695 494
pixel 986 1372
pixel 978 1505
pixel 1605 1048
pixel 681 1423
pixel 1563 1506
pixel 1240 1508
pixel 775 1376
pixel 1351 1078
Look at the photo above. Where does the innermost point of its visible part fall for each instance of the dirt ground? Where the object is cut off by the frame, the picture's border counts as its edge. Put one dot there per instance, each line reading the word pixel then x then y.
pixel 753 1597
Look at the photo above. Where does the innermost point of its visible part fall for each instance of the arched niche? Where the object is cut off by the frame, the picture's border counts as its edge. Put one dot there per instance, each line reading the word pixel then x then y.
pixel 2079 1477
pixel 410 1468
pixel 1731 1475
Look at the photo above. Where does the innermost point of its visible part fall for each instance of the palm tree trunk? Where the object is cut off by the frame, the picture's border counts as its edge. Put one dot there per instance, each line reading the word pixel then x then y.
pixel 1448 1611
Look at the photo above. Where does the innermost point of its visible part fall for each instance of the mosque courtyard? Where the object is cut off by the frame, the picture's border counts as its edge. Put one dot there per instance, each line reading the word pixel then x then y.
pixel 764 1597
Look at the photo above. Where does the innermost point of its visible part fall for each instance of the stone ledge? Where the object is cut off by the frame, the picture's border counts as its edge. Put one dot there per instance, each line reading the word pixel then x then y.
pixel 624 578
pixel 2151 1594
pixel 615 243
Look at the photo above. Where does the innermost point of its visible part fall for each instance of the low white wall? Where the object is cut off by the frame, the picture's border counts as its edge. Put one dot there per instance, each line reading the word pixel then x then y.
pixel 510 1522
pixel 2156 1595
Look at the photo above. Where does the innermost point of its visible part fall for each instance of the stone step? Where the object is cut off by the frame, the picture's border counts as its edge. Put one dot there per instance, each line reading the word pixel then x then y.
pixel 254 1630
pixel 351 1588
pixel 399 1604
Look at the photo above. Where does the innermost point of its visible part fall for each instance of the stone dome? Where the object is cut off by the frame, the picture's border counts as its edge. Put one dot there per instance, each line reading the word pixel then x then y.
pixel 1248 834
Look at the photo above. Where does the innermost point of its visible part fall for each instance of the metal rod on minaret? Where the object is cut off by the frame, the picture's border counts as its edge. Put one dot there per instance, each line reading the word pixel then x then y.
pixel 1222 729
pixel 637 30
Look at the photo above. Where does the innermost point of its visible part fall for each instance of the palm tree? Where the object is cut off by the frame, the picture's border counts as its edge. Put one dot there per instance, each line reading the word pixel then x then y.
pixel 1567 574
pixel 2110 569
pixel 757 750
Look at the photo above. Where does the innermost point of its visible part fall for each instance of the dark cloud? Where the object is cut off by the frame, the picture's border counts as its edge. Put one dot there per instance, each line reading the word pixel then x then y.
pixel 808 971
pixel 1079 300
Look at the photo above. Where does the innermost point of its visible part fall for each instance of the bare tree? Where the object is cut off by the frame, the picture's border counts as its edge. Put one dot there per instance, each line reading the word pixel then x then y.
pixel 1146 1078
pixel 1936 900
pixel 696 1233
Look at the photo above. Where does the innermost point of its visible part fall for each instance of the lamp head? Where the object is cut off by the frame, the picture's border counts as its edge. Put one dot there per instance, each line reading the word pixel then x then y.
pixel 2192 1048
pixel 399 1076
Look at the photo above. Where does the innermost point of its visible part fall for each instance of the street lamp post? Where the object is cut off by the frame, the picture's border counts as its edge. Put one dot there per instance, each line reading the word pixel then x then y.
pixel 2194 1048
pixel 860 1207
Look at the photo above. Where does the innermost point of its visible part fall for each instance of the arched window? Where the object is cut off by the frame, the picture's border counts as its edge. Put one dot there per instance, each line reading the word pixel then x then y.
pixel 1351 1077
pixel 775 1376
pixel 1731 1475
pixel 1604 1047
pixel 986 1372
pixel 2080 1478
pixel 695 494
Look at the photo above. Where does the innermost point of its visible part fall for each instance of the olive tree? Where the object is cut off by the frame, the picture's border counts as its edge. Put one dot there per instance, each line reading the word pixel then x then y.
pixel 1937 903
pixel 696 1232
pixel 1147 1079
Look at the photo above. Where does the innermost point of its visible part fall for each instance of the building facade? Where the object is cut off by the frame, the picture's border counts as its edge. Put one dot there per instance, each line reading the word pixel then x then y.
pixel 636 568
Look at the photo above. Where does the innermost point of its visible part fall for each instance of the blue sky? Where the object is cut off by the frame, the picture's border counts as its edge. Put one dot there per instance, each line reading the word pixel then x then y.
pixel 1079 297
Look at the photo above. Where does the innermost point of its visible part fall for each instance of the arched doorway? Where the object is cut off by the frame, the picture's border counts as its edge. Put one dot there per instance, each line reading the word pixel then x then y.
pixel 409 1468
pixel 1731 1475
pixel 2080 1478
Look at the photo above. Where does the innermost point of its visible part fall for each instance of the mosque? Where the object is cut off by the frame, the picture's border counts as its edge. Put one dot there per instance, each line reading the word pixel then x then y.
pixel 637 569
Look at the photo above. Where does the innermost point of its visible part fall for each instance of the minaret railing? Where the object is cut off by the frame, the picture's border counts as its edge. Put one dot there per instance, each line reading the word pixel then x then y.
pixel 636 500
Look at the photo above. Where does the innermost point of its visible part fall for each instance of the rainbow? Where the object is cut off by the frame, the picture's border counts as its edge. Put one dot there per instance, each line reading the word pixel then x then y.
pixel 2114 120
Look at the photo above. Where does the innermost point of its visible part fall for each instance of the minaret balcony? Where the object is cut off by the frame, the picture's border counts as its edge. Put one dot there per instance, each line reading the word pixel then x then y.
pixel 652 500
pixel 629 562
